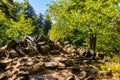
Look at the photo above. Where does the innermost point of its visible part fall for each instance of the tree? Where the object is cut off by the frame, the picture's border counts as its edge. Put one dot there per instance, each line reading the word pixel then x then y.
pixel 29 11
pixel 16 26
pixel 48 23
pixel 74 19
pixel 20 29
pixel 6 7
pixel 38 23
pixel 41 20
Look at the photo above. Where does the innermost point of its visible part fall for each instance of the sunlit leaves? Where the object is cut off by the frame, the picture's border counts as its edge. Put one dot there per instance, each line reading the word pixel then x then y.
pixel 98 15
pixel 20 29
pixel 14 25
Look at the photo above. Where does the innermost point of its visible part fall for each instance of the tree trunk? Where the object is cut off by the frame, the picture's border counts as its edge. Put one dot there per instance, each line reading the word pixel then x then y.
pixel 93 38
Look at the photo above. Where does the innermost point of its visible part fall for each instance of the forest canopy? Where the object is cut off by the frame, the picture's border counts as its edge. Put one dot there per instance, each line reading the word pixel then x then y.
pixel 18 19
pixel 75 18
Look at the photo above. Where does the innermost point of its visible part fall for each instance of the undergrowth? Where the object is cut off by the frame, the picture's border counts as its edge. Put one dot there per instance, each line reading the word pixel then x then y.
pixel 113 63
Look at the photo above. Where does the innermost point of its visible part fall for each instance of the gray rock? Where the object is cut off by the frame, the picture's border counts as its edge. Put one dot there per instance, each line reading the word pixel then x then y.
pixel 45 48
pixel 3 76
pixel 39 67
pixel 82 75
pixel 42 38
pixel 51 64
pixel 37 78
pixel 41 43
pixel 70 77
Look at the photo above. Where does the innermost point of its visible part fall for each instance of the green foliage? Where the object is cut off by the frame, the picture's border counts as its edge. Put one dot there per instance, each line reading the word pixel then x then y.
pixel 112 63
pixel 13 21
pixel 3 26
pixel 20 29
pixel 99 15
pixel 10 29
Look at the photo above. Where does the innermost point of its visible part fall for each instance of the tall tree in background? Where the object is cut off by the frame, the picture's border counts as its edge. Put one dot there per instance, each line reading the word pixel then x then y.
pixel 38 22
pixel 44 22
pixel 75 19
pixel 41 20
pixel 29 12
pixel 47 25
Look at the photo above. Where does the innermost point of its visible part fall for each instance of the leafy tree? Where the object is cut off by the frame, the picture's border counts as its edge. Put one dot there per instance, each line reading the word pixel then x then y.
pixel 20 29
pixel 74 19
pixel 6 7
pixel 16 26
pixel 3 26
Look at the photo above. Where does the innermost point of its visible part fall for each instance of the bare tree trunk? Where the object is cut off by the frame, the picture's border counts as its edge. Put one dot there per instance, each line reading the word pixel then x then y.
pixel 93 38
pixel 94 42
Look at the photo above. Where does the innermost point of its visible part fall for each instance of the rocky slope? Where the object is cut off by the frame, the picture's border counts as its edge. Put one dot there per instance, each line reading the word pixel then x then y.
pixel 39 58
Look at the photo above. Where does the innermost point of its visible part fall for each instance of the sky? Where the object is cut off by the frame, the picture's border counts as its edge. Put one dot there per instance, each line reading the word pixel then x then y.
pixel 39 5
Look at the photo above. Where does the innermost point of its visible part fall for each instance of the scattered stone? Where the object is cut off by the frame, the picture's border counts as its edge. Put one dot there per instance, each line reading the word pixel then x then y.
pixel 61 65
pixel 100 74
pixel 3 76
pixel 40 56
pixel 42 38
pixel 90 78
pixel 52 65
pixel 109 72
pixel 45 48
pixel 59 43
pixel 61 75
pixel 37 78
pixel 39 67
pixel 54 52
pixel 41 43
pixel 74 69
pixel 82 75
pixel 70 77
pixel 12 44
